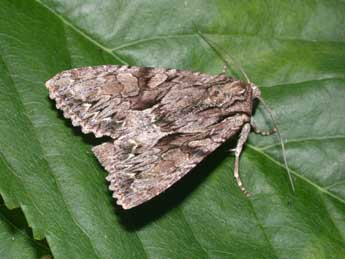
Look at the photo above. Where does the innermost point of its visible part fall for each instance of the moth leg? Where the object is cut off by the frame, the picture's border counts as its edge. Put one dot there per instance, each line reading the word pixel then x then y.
pixel 262 132
pixel 238 150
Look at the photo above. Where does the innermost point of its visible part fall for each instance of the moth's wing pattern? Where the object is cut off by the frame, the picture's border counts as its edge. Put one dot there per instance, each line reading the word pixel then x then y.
pixel 162 121
pixel 97 98
pixel 137 178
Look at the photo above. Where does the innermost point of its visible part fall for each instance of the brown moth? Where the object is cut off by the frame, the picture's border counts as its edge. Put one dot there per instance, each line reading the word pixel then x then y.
pixel 162 122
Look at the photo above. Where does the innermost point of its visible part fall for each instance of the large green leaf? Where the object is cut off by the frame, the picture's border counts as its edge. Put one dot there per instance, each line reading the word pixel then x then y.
pixel 293 50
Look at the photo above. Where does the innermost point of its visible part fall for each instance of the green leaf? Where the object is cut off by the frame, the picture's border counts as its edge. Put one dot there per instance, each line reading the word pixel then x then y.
pixel 294 51
pixel 15 237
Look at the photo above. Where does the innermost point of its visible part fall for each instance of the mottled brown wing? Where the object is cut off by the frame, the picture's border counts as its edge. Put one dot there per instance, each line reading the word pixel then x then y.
pixel 139 176
pixel 162 121
pixel 98 98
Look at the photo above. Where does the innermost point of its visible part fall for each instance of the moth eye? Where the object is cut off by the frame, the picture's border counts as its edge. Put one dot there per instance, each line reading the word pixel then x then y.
pixel 215 93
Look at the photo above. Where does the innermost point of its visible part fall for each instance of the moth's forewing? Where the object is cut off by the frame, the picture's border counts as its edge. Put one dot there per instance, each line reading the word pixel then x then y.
pixel 163 122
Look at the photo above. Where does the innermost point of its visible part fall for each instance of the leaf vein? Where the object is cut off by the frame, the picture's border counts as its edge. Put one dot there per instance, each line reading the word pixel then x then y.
pixel 298 140
pixel 82 33
pixel 319 188
pixel 182 35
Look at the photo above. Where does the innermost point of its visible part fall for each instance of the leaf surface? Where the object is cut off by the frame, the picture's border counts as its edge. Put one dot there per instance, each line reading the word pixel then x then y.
pixel 295 53
pixel 15 237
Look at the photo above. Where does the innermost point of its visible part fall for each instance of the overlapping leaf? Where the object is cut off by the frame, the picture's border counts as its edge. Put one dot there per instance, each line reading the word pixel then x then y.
pixel 15 237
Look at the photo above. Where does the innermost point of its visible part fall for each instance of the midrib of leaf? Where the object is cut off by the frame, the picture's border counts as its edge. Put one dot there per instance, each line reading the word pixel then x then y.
pixel 304 82
pixel 182 35
pixel 34 133
pixel 257 149
pixel 83 34
pixel 160 37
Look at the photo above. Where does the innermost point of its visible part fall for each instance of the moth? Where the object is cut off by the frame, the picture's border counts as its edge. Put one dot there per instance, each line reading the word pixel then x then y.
pixel 161 122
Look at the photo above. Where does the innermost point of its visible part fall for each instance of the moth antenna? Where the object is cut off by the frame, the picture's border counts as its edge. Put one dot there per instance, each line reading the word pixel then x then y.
pixel 215 48
pixel 281 142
